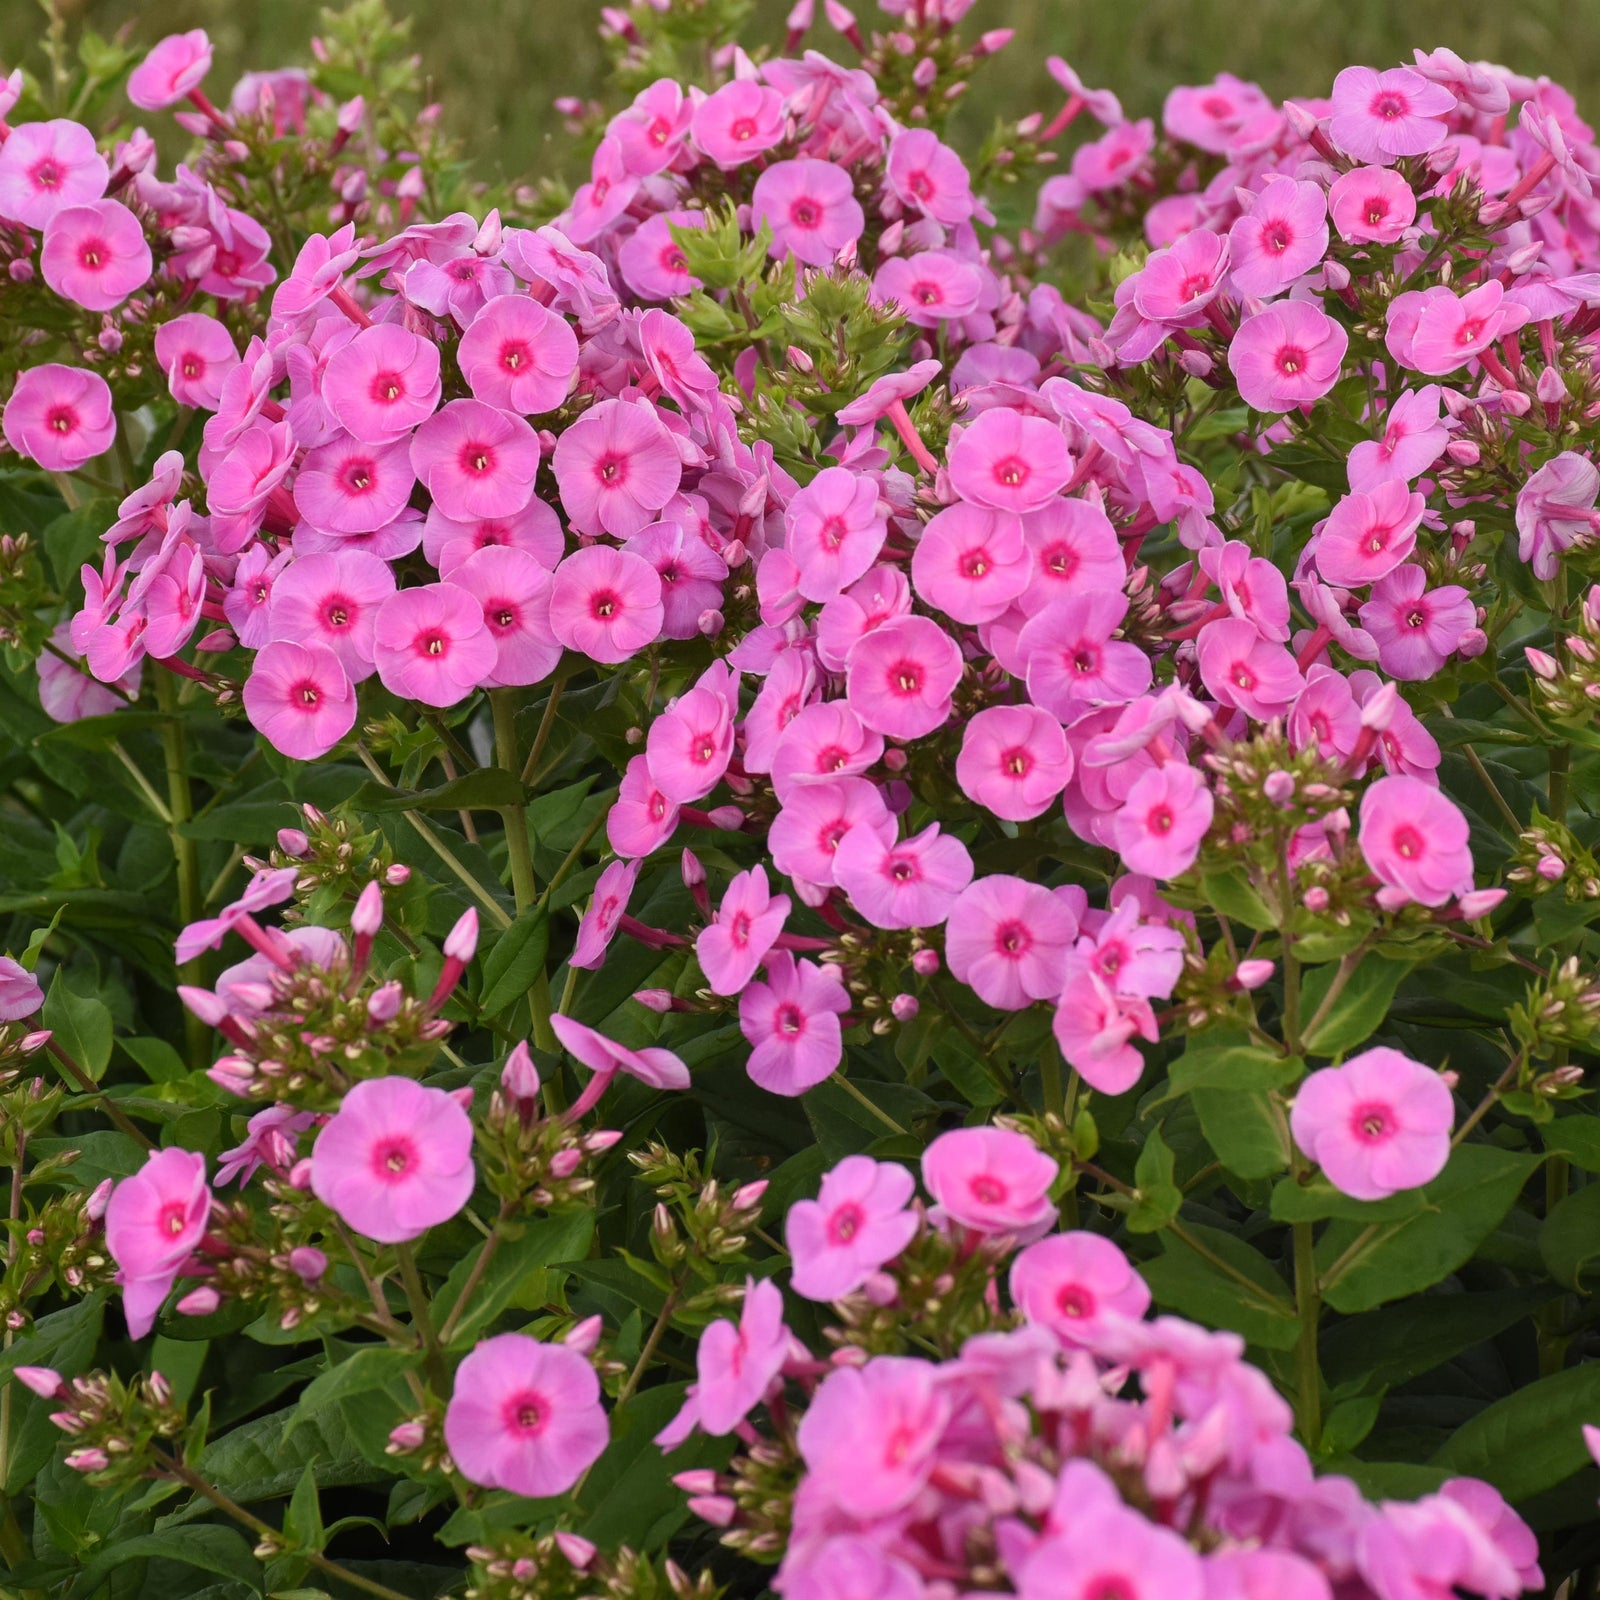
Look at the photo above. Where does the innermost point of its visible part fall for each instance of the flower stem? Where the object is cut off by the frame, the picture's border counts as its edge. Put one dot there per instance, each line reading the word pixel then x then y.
pixel 1308 1304
pixel 417 1300
pixel 185 854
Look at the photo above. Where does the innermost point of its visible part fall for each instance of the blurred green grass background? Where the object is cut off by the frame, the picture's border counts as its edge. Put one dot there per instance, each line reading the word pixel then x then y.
pixel 497 64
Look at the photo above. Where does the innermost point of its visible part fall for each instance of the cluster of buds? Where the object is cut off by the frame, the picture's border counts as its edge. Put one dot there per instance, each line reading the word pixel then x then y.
pixel 19 1043
pixel 1214 984
pixel 283 1274
pixel 62 1245
pixel 118 1429
pixel 420 1439
pixel 698 1223
pixel 335 862
pixel 753 1500
pixel 565 1566
pixel 1548 854
pixel 1266 791
pixel 1566 685
pixel 1560 1013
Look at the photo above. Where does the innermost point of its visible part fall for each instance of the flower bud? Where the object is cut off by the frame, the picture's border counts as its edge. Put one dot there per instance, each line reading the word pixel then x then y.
pixel 1464 452
pixel 694 875
pixel 397 875
pixel 351 114
pixel 584 1337
pixel 293 842
pixel 1253 973
pixel 407 1436
pixel 1278 787
pixel 200 1302
pixel 574 1546
pixel 462 943
pixel 1544 666
pixel 519 1077
pixel 367 917
pixel 383 1005
pixel 44 1381
pixel 1378 712
pixel 925 963
pixel 904 1007
pixel 1472 643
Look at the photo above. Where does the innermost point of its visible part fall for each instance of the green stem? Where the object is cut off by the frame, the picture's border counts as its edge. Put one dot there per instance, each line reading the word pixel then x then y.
pixel 486 1253
pixel 417 1300
pixel 1308 1305
pixel 541 738
pixel 663 1317
pixel 146 789
pixel 90 1087
pixel 185 854
pixel 882 1115
pixel 1560 770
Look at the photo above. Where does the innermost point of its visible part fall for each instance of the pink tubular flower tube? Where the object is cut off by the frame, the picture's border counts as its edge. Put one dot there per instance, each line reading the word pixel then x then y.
pixel 395 1159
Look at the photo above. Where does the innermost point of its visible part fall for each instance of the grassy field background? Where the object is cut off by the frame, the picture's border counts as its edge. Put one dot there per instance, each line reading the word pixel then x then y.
pixel 498 63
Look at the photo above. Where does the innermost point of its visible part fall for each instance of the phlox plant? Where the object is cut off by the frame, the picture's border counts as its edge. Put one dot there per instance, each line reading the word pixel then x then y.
pixel 836 868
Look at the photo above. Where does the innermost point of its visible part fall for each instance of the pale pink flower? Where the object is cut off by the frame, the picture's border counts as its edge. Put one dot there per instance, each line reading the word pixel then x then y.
pixel 1280 238
pixel 1014 761
pixel 1072 660
pixel 20 994
pixel 1110 1549
pixel 737 1363
pixel 382 383
pixel 514 590
pixel 652 1065
pixel 971 563
pixel 519 355
pixel 1076 1283
pixel 1371 205
pixel 59 416
pixel 1074 548
pixel 196 352
pixel 172 71
pixel 1010 462
pixel 605 603
pixel 95 254
pixel 1415 840
pixel 791 1022
pixel 346 486
pixel 1095 1026
pixel 991 1180
pixel 901 677
pixel 834 529
pixel 1438 331
pixel 45 166
pixel 736 941
pixel 1243 670
pixel 1555 510
pixel 641 818
pixel 153 1222
pixel 930 287
pixel 608 193
pixel 692 575
pixel 1413 439
pixel 536 528
pixel 1162 822
pixel 929 177
pixel 1210 116
pixel 652 131
pixel 394 1160
pixel 1376 1125
pixel 912 884
pixel 333 600
pixel 525 1416
pixel 475 460
pixel 616 467
pixel 1007 940
pixel 860 1220
pixel 299 698
pixel 822 742
pixel 811 208
pixel 432 644
pixel 806 834
pixel 1416 628
pixel 1286 356
pixel 652 261
pixel 735 123
pixel 1366 536
pixel 1381 116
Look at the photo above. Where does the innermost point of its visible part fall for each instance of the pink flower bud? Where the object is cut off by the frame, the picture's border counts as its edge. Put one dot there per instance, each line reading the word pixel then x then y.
pixel 383 1005
pixel 406 1437
pixel 904 1007
pixel 397 875
pixel 1279 787
pixel 1315 899
pixel 925 963
pixel 1551 868
pixel 729 818
pixel 1253 973
pixel 35 1040
pixel 1545 666
pixel 1336 275
pixel 717 1509
pixel 1472 643
pixel 748 1195
pixel 109 340
pixel 840 18
pixel 925 72
pixel 44 1381
pixel 565 1162
pixel 693 873
pixel 1551 388
pixel 307 1262
pixel 20 270
pixel 351 115
pixel 575 1548
pixel 1464 452
pixel 293 842
pixel 659 1000
pixel 93 1461
pixel 519 1077
pixel 584 1337
pixel 1479 903
pixel 994 41
pixel 300 1174
pixel 232 1073
pixel 200 1302
pixel 462 943
pixel 94 1208
pixel 1515 402
pixel 1196 363
pixel 710 622
pixel 1378 713
pixel 1302 124
pixel 698 1480
pixel 367 917
pixel 735 554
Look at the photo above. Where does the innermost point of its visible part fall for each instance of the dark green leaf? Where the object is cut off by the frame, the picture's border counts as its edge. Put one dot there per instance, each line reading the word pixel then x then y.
pixel 515 961
pixel 1569 1240
pixel 224 1551
pixel 370 1367
pixel 1159 1199
pixel 81 1025
pixel 1252 1298
pixel 1360 1008
pixel 487 789
pixel 1232 894
pixel 561 1237
pixel 1576 1138
pixel 1531 1440
pixel 1234 1067
pixel 1384 1349
pixel 1245 1128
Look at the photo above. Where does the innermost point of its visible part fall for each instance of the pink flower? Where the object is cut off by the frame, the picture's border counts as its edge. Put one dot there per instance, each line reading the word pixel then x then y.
pixel 1413 439
pixel 652 261
pixel 59 416
pixel 608 193
pixel 658 1068
pixel 1437 331
pixel 737 940
pixel 1014 761
pixel 514 591
pixel 1162 822
pixel 196 352
pixel 394 1160
pixel 1172 290
pixel 605 603
pixel 901 677
pixel 518 355
pixel 1007 940
pixel 859 1221
pixel 929 177
pixel 1417 628
pixel 45 166
pixel 270 1139
pixel 1010 462
pixel 95 254
pixel 535 528
pixel 1110 1549
pixel 1371 205
pixel 736 1364
pixel 1073 662
pixel 1286 356
pixel 1094 1027
pixel 791 1022
pixel 20 994
pixel 930 287
pixel 991 1180
pixel 153 1223
pixel 1415 840
pixel 1376 1125
pixel 870 1435
pixel 476 461
pixel 1074 548
pixel 609 901
pixel 735 123
pixel 333 600
pixel 641 819
pixel 806 834
pixel 1243 670
pixel 382 383
pixel 912 884
pixel 811 208
pixel 1380 116
pixel 834 529
pixel 299 698
pixel 1367 536
pixel 350 487
pixel 1074 1284
pixel 1555 509
pixel 431 644
pixel 1210 116
pixel 525 1416
pixel 1282 237
pixel 172 70
pixel 616 467
pixel 972 563
pixel 692 575
pixel 652 131
pixel 824 741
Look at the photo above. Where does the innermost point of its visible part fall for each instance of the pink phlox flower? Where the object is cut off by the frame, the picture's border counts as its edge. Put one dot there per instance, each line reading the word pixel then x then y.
pixel 153 1222
pixel 1381 116
pixel 692 575
pixel 901 677
pixel 1073 1283
pixel 1415 841
pixel 651 1065
pixel 1437 331
pixel 1171 290
pixel 1474 84
pixel 912 884
pixel 883 392
pixel 196 352
pixel 811 209
pixel 1007 940
pixel 685 376
pixel 1010 462
pixel 67 692
pixel 641 818
pixel 1376 1125
pixel 20 994
pixel 334 601
pixel 1413 439
pixel 787 689
pixel 1241 669
pixel 1118 156
pixel 652 131
pixel 1325 606
pixel 525 1416
pixel 1073 662
pixel 971 563
pixel 860 1221
pixel 616 467
pixel 735 123
pixel 806 834
pixel 1130 949
pixel 382 383
pixel 1371 205
pixel 346 486
pixel 1405 747
pixel 1282 237
pixel 270 1140
pixel 605 603
pixel 1286 356
pixel 737 1363
pixel 1252 587
pixel 790 1020
pixel 59 417
pixel 318 271
pixel 475 460
pixel 269 887
pixel 514 589
pixel 848 1567
pixel 1075 548
pixel 1210 116
pixel 599 202
pixel 1555 510
pixel 1163 821
pixel 1014 761
pixel 458 288
pixel 1115 1552
pixel 247 485
pixel 1515 1545
pixel 1094 1027
pixel 651 260
pixel 518 355
pixel 992 1180
pixel 561 275
pixel 879 597
pixel 46 166
pixel 928 177
pixel 1325 717
pixel 95 254
pixel 612 891
pixel 737 940
pixel 536 529
pixel 930 287
pixel 1417 629
pixel 834 529
pixel 173 69
pixel 1367 535
pixel 432 644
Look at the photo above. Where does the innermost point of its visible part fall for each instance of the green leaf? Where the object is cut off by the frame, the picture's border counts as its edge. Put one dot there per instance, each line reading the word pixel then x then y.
pixel 73 539
pixel 302 1522
pixel 561 1237
pixel 1569 1240
pixel 1232 894
pixel 81 1025
pixel 487 789
pixel 1384 1349
pixel 1234 1067
pixel 224 1551
pixel 1187 1281
pixel 1159 1199
pixel 1349 1422
pixel 263 1460
pixel 1360 1008
pixel 515 961
pixel 1576 1138
pixel 1315 1200
pixel 371 1367
pixel 1530 1441
pixel 1246 1130
pixel 1366 1267
pixel 157 1059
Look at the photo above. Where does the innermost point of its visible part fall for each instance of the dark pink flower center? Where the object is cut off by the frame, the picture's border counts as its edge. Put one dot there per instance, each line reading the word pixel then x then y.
pixel 805 212
pixel 1073 1300
pixel 1408 842
pixel 477 458
pixel 1277 237
pixel 1017 761
pixel 93 253
pixel 789 1021
pixel 526 1413
pixel 905 677
pixel 1159 818
pixel 393 1158
pixel 1390 106
pixel 307 695
pixel 1290 359
pixel 513 353
pixel 172 1218
pixel 61 419
pixel 986 1189
pixel 612 470
pixel 1372 1122
pixel 1011 472
pixel 46 174
pixel 359 475
pixel 1013 939
pixel 845 1223
pixel 604 604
